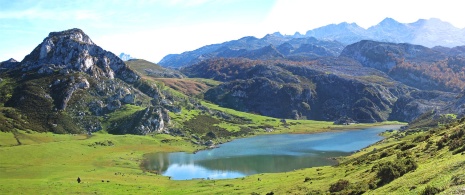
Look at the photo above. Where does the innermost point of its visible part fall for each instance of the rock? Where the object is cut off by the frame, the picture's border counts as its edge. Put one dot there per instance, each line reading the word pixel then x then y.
pixel 72 50
pixel 96 107
pixel 129 99
pixel 209 143
pixel 83 83
pixel 115 104
pixel 345 121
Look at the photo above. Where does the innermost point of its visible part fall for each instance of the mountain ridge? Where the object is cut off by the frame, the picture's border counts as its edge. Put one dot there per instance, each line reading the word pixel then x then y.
pixel 430 33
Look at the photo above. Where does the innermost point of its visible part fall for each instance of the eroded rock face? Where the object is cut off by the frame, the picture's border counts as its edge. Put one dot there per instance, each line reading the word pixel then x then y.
pixel 69 84
pixel 62 90
pixel 72 50
pixel 143 122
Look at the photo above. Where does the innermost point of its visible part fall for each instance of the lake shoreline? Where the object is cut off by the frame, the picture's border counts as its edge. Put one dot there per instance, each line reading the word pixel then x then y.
pixel 351 127
pixel 298 143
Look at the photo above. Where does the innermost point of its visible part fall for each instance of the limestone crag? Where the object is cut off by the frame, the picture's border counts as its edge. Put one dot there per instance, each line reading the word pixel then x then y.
pixel 68 84
pixel 72 50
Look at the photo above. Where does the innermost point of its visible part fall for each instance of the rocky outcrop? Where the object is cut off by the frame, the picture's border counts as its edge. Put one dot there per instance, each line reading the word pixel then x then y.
pixel 149 120
pixel 325 89
pixel 73 51
pixel 415 103
pixel 67 84
pixel 62 90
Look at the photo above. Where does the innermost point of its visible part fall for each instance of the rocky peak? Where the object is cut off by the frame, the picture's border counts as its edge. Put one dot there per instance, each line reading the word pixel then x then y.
pixel 73 51
pixel 11 63
pixel 11 60
pixel 278 34
pixel 388 22
pixel 74 34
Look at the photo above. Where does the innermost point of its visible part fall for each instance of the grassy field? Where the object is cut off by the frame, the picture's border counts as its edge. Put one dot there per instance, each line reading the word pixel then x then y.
pixel 109 164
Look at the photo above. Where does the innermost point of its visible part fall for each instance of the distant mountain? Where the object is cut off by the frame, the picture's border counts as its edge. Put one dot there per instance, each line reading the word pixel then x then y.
pixel 325 41
pixel 11 63
pixel 271 46
pixel 429 33
pixel 125 57
pixel 344 32
pixel 415 65
pixel 369 81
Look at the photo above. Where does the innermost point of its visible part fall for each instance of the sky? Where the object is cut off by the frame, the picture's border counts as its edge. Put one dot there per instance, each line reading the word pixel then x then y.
pixel 152 29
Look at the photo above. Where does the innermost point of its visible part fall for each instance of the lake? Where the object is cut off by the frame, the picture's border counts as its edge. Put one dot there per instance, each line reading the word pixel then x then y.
pixel 264 154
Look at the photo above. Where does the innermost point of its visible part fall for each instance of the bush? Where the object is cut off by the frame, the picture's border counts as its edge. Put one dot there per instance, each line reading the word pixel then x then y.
pixel 339 185
pixel 406 146
pixel 429 190
pixel 457 180
pixel 388 171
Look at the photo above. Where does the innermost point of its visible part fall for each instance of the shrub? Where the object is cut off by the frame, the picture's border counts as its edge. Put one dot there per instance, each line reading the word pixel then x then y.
pixel 388 171
pixel 429 190
pixel 457 180
pixel 407 146
pixel 339 185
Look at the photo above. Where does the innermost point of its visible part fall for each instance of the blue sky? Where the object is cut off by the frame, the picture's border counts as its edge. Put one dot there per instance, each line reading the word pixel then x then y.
pixel 151 29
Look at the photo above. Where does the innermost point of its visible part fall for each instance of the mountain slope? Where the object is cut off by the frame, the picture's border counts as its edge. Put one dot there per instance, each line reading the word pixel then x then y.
pixel 67 84
pixel 322 89
pixel 413 65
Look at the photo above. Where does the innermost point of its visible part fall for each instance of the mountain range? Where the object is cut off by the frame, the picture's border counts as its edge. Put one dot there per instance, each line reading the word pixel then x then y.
pixel 325 41
pixel 69 84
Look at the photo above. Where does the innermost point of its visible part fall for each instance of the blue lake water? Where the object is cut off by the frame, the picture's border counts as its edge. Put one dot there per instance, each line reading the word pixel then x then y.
pixel 264 154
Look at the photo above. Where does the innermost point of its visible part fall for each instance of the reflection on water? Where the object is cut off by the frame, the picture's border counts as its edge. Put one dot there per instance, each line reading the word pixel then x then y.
pixel 263 154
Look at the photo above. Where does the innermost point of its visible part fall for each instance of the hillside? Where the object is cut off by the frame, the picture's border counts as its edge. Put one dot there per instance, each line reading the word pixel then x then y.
pixel 414 65
pixel 67 84
pixel 322 89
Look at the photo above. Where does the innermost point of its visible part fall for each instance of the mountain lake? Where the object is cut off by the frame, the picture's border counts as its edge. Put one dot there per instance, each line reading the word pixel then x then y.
pixel 264 154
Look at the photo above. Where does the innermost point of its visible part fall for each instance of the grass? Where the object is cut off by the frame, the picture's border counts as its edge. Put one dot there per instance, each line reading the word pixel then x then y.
pixel 186 86
pixel 140 65
pixel 53 162
pixel 291 126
